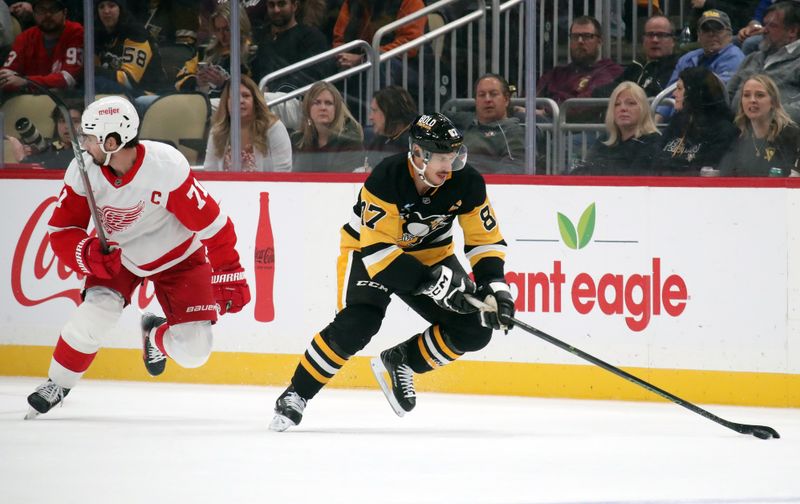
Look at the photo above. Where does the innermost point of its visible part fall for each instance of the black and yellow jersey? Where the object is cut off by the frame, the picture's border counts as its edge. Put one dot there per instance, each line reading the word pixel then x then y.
pixel 400 233
pixel 130 57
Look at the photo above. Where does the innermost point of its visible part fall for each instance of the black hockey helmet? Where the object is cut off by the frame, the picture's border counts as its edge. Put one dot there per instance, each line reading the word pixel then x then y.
pixel 436 133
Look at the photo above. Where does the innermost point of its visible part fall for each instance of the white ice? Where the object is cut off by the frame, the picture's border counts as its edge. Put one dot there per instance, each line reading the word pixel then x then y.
pixel 149 443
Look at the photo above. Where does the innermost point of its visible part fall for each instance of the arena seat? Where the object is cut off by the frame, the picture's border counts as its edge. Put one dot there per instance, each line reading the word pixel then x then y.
pixel 181 120
pixel 37 108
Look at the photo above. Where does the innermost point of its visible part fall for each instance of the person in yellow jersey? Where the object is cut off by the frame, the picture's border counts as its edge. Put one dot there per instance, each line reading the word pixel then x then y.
pixel 126 57
pixel 399 240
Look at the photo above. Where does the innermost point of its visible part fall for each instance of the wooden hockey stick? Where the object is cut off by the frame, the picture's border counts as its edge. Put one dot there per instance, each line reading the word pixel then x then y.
pixel 759 431
pixel 76 149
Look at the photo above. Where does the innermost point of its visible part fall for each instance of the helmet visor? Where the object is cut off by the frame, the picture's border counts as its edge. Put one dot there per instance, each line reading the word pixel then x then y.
pixel 457 159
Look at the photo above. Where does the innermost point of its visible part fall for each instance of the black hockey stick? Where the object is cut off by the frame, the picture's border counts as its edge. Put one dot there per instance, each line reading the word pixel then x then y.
pixel 759 431
pixel 76 149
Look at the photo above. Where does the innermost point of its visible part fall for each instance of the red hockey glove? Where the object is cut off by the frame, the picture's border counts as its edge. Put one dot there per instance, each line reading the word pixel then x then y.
pixel 230 290
pixel 93 261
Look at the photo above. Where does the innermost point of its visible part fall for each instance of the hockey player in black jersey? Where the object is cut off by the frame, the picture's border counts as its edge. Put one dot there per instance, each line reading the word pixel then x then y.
pixel 399 241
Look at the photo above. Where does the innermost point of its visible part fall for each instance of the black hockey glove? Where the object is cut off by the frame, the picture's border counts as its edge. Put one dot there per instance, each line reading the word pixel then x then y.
pixel 498 296
pixel 447 288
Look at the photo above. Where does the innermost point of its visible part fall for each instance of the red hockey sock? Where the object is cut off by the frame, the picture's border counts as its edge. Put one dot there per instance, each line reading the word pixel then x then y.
pixel 70 358
pixel 159 337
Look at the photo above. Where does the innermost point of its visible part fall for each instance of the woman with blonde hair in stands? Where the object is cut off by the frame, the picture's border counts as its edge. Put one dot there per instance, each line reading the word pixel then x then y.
pixel 633 138
pixel 265 143
pixel 210 74
pixel 329 138
pixel 769 143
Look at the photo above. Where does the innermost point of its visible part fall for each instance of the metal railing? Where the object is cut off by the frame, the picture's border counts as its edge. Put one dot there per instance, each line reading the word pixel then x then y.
pixel 365 68
pixel 549 129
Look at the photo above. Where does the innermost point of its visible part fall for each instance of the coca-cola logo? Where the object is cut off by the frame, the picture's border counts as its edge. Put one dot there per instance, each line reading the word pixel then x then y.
pixel 39 276
pixel 265 257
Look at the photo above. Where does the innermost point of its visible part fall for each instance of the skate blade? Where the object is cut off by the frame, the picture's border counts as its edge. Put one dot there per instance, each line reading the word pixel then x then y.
pixel 32 413
pixel 280 423
pixel 378 369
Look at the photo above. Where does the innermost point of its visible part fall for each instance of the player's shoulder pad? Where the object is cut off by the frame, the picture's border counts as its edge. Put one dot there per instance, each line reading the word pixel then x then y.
pixel 171 164
pixel 389 177
pixel 472 186
pixel 73 178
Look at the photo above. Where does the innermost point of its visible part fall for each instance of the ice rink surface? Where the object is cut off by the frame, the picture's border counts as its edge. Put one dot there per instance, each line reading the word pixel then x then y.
pixel 147 443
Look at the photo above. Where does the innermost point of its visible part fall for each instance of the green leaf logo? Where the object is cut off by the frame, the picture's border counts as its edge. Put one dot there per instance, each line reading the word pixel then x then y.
pixel 580 238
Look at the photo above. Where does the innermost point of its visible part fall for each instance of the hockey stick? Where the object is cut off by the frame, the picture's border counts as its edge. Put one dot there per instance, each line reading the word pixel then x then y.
pixel 759 431
pixel 76 149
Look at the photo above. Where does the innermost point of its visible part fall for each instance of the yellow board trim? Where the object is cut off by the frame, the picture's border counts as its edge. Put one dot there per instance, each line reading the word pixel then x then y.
pixel 462 376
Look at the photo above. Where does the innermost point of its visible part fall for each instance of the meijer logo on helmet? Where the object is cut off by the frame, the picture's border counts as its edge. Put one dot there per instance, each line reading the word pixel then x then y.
pixel 108 111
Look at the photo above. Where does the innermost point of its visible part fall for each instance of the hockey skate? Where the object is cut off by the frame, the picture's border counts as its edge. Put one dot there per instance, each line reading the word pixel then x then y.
pixel 288 410
pixel 400 393
pixel 154 360
pixel 44 398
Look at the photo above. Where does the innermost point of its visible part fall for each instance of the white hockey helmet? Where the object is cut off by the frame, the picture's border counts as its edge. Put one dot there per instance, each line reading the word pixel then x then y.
pixel 112 114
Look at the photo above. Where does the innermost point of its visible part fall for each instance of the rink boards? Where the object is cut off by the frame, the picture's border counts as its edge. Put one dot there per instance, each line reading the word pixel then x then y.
pixel 690 284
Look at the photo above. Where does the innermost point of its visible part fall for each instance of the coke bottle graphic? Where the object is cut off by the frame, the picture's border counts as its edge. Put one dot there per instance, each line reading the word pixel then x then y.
pixel 264 264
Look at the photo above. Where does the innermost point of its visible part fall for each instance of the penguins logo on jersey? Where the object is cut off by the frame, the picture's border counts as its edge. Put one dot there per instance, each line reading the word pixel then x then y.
pixel 416 227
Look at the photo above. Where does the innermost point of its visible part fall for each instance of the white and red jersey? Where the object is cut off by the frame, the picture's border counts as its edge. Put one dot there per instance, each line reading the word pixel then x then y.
pixel 158 213
pixel 60 67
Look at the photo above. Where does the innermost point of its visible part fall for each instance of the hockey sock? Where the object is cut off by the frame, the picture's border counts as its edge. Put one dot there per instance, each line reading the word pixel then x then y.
pixel 157 337
pixel 430 350
pixel 68 364
pixel 320 362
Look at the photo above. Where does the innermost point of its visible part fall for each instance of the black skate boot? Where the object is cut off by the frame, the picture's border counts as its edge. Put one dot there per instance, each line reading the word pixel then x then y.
pixel 154 360
pixel 394 361
pixel 288 410
pixel 44 398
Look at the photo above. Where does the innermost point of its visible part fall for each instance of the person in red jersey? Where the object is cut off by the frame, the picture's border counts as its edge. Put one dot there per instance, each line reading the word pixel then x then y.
pixel 50 53
pixel 161 225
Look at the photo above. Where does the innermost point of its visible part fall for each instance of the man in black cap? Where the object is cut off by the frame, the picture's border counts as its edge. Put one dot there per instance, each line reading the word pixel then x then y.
pixel 50 53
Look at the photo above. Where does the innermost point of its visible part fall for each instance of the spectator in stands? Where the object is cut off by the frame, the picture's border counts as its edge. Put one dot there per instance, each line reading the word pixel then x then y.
pixel 751 35
pixel 58 153
pixel 211 74
pixel 173 24
pixel 701 131
pixel 265 143
pixel 587 70
pixel 652 74
pixel 495 141
pixel 6 30
pixel 23 12
pixel 50 53
pixel 769 139
pixel 633 139
pixel 360 19
pixel 778 57
pixel 717 53
pixel 126 58
pixel 391 113
pixel 329 139
pixel 288 41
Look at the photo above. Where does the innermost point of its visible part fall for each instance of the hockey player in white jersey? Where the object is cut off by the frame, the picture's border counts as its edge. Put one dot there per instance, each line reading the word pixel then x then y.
pixel 162 225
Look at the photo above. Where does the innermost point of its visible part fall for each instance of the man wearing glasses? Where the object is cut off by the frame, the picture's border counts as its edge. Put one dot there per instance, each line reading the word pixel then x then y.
pixel 652 74
pixel 50 53
pixel 586 71
pixel 717 52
